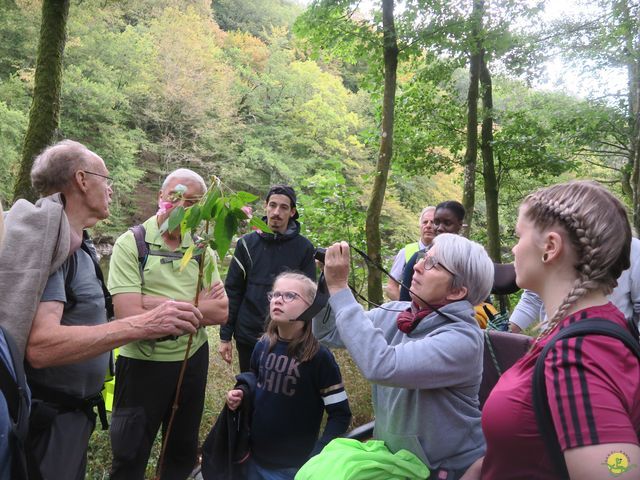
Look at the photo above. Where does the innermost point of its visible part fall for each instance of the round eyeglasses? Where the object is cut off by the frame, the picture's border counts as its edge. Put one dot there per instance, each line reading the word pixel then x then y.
pixel 287 297
pixel 431 261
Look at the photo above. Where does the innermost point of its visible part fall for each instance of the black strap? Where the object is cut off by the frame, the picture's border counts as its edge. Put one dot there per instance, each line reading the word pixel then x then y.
pixel 581 328
pixel 65 401
pixel 319 301
pixel 70 273
pixel 143 248
pixel 144 251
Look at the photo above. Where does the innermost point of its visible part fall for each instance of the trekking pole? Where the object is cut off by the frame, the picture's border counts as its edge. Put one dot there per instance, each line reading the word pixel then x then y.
pixel 183 367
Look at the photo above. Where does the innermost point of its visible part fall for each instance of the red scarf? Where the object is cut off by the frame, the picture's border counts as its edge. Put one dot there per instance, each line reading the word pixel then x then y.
pixel 408 320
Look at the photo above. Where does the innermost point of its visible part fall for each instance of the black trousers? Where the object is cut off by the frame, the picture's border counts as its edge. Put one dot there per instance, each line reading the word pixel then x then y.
pixel 244 355
pixel 144 394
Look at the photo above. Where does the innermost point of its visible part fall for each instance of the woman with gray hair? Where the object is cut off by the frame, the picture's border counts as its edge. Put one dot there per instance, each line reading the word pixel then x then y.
pixel 423 357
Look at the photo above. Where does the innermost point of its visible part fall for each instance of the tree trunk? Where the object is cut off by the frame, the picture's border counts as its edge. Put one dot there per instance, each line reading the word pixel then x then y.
pixel 44 115
pixel 471 153
pixel 390 49
pixel 489 170
pixel 632 51
pixel 633 68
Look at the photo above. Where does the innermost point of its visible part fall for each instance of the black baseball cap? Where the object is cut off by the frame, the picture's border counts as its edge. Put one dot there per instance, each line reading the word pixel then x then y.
pixel 284 190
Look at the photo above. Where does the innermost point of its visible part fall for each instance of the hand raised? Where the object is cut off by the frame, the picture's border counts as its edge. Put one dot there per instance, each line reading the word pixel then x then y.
pixel 336 266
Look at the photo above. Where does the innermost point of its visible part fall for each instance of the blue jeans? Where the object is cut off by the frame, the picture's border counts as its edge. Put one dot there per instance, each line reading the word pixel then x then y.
pixel 256 472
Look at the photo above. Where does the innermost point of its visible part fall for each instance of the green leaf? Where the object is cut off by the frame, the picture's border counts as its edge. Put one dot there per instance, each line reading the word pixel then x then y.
pixel 210 203
pixel 240 199
pixel 194 217
pixel 188 255
pixel 239 214
pixel 259 224
pixel 220 234
pixel 231 226
pixel 175 218
pixel 208 273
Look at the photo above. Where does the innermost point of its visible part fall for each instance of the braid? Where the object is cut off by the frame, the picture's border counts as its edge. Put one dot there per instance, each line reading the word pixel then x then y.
pixel 574 294
pixel 593 219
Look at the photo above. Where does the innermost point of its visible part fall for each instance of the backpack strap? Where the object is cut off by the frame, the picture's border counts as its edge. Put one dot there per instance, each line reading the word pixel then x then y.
pixel 582 328
pixel 143 248
pixel 69 274
pixel 144 251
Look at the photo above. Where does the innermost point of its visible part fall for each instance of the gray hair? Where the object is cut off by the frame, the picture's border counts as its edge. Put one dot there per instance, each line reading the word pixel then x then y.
pixel 184 173
pixel 469 262
pixel 425 210
pixel 54 168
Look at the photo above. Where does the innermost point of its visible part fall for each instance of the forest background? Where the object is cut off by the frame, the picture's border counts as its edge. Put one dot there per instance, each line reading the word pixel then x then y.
pixel 371 110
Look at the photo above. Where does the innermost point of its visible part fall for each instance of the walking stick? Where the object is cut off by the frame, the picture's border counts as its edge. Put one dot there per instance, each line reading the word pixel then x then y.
pixel 183 367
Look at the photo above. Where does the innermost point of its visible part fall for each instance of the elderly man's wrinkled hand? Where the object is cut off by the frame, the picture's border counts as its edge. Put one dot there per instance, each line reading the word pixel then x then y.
pixel 172 318
pixel 336 266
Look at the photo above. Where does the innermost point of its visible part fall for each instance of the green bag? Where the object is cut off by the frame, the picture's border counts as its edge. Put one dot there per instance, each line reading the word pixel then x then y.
pixel 348 459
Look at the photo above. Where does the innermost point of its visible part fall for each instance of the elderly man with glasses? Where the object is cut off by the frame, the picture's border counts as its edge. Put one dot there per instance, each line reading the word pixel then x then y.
pixel 147 372
pixel 68 339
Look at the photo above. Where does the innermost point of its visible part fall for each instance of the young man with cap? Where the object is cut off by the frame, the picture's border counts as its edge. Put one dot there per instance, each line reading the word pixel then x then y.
pixel 258 259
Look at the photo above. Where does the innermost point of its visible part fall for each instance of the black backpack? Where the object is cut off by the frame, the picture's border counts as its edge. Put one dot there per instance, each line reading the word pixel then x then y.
pixel 590 326
pixel 16 394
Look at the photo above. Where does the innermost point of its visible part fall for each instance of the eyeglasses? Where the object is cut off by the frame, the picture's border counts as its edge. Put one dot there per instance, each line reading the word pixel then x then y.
pixel 287 297
pixel 109 181
pixel 176 197
pixel 431 261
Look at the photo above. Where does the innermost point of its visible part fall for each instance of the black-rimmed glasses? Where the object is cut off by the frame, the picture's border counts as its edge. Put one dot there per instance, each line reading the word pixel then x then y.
pixel 109 180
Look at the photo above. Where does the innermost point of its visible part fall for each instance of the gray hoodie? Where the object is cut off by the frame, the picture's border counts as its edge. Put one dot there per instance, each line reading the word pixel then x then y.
pixel 425 383
pixel 36 243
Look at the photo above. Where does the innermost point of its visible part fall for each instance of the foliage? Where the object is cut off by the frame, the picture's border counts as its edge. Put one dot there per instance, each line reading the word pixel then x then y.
pixel 221 212
pixel 13 124
pixel 255 18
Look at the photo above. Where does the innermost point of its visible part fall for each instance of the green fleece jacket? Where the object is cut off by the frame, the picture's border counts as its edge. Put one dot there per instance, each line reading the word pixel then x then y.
pixel 36 243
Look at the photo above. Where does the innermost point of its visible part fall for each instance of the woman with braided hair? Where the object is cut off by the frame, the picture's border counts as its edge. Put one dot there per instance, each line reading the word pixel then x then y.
pixel 574 241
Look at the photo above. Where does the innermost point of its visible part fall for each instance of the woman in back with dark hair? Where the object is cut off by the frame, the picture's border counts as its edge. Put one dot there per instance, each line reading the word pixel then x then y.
pixel 449 218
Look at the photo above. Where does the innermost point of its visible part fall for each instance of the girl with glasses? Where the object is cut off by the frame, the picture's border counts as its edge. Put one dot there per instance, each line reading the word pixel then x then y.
pixel 297 380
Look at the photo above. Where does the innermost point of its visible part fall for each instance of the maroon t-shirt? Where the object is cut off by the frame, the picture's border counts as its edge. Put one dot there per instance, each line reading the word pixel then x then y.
pixel 592 386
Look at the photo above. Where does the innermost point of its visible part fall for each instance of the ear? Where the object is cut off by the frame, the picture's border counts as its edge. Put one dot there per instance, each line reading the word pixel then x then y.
pixel 80 179
pixel 293 212
pixel 553 245
pixel 457 294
